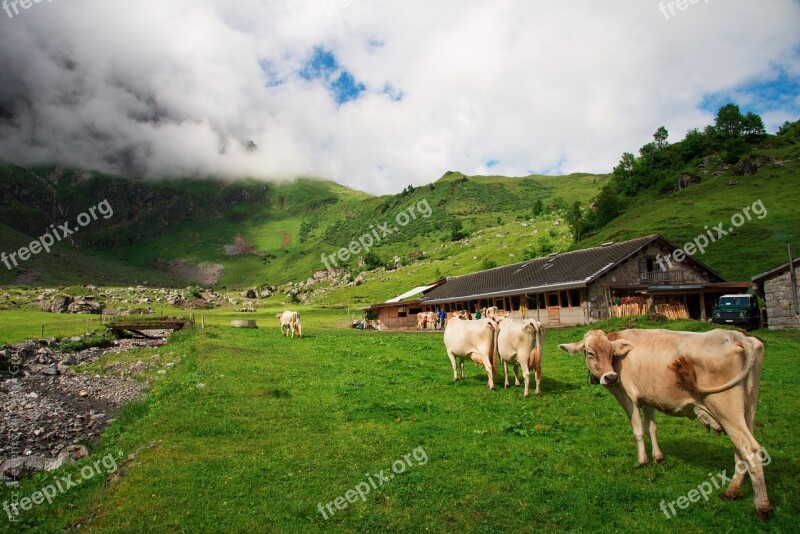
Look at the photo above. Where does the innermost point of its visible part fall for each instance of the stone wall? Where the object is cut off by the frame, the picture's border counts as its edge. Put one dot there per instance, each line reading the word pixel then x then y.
pixel 626 274
pixel 781 314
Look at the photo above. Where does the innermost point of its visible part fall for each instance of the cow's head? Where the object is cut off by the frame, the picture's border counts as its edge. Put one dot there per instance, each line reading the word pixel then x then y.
pixel 600 353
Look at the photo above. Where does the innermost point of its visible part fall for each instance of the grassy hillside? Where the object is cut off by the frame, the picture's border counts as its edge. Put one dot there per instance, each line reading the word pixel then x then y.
pixel 755 246
pixel 257 233
pixel 281 229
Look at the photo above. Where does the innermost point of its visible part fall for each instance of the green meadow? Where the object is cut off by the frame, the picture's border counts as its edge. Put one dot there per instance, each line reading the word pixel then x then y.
pixel 252 432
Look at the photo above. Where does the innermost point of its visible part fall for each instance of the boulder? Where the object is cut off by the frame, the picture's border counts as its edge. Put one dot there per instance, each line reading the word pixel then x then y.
pixel 85 305
pixel 687 179
pixel 749 165
pixel 59 304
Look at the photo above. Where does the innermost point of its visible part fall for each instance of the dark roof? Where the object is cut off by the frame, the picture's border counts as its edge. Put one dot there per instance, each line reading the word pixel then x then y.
pixel 568 270
pixel 780 269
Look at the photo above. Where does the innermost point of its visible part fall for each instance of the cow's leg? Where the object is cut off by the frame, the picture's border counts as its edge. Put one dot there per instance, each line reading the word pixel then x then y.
pixel 517 370
pixel 636 421
pixel 538 375
pixel 748 459
pixel 650 425
pixel 487 364
pixel 526 377
pixel 734 490
pixel 505 374
pixel 462 370
pixel 453 364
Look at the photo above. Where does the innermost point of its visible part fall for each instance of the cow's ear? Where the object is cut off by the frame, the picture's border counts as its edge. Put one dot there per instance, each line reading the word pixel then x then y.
pixel 621 347
pixel 572 348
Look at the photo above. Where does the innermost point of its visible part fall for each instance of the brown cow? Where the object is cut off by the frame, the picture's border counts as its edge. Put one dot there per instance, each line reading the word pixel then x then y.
pixel 713 375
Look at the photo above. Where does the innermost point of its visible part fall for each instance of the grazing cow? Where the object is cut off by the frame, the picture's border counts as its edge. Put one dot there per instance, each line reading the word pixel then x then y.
pixel 471 339
pixel 713 375
pixel 521 343
pixel 290 322
pixel 431 320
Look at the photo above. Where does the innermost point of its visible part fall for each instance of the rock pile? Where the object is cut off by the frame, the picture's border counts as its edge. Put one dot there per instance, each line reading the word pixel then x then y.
pixel 46 408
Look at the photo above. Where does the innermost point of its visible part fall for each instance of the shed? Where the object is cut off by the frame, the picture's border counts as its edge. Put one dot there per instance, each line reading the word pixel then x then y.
pixel 777 287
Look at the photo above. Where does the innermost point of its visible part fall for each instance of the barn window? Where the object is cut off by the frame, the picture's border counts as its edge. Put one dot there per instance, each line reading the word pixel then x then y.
pixel 532 302
pixel 575 298
pixel 515 303
pixel 414 311
pixel 401 312
pixel 552 300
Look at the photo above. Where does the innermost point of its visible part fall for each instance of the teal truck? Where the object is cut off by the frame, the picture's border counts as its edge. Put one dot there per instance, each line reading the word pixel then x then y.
pixel 737 310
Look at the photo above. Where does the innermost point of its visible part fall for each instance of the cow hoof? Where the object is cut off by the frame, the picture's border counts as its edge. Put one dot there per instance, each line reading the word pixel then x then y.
pixel 732 496
pixel 658 459
pixel 506 386
pixel 642 464
pixel 538 393
pixel 762 514
pixel 527 395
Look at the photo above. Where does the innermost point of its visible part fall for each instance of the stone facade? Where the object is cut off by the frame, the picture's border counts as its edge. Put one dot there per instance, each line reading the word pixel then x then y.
pixel 781 314
pixel 628 274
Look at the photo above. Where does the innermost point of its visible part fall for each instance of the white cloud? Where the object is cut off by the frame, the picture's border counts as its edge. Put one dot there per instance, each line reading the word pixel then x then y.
pixel 175 87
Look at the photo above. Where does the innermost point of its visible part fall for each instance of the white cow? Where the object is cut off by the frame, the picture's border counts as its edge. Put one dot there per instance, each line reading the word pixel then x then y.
pixel 521 343
pixel 471 339
pixel 713 376
pixel 290 322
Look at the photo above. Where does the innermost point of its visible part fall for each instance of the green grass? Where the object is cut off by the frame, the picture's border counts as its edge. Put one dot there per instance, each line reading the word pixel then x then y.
pixel 252 430
pixel 19 325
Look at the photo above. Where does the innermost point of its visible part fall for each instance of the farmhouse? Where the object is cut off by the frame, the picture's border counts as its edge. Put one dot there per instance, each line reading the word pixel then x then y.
pixel 779 290
pixel 400 313
pixel 583 286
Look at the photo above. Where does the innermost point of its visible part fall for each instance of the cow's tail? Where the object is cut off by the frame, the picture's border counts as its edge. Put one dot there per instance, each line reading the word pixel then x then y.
pixel 493 348
pixel 535 357
pixel 687 377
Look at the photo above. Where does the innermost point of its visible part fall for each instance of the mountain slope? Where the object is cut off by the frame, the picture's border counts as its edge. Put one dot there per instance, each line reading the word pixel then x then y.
pixel 252 232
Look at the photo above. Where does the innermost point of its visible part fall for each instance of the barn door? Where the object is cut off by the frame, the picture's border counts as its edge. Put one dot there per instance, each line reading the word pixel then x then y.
pixel 554 316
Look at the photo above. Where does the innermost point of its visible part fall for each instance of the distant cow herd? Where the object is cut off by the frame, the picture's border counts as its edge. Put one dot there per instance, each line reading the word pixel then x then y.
pixel 712 376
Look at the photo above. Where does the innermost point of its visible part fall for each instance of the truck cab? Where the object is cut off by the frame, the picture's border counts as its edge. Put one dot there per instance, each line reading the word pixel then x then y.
pixel 738 310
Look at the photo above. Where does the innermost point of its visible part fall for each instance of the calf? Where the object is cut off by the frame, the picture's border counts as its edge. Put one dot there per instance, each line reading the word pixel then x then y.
pixel 713 375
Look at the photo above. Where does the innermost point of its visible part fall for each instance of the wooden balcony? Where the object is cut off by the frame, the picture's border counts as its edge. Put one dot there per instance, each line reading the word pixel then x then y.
pixel 667 277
